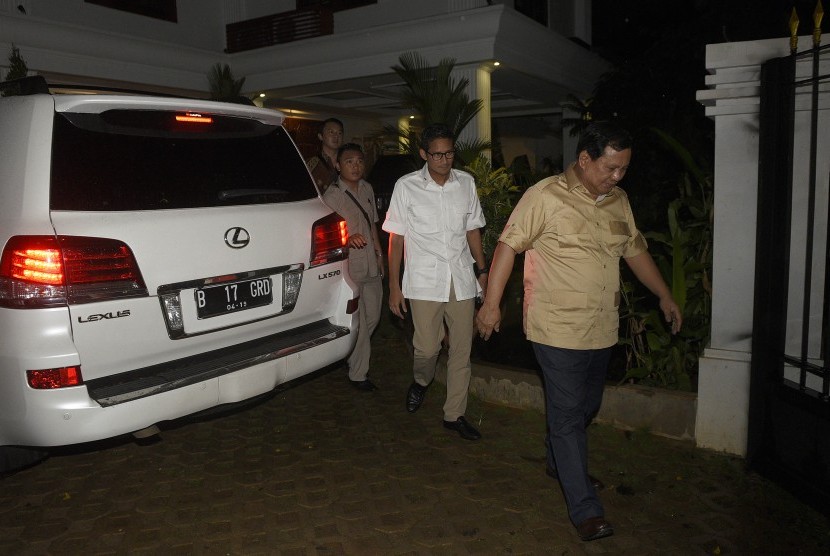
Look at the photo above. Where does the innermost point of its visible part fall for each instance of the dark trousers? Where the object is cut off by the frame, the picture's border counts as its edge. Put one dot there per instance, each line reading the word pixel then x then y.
pixel 574 382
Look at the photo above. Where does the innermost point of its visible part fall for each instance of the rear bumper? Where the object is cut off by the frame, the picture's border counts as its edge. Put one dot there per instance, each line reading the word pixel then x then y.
pixel 126 387
pixel 111 406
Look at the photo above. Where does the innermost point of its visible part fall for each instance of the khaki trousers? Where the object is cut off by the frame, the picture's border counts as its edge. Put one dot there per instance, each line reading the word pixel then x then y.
pixel 428 318
pixel 369 306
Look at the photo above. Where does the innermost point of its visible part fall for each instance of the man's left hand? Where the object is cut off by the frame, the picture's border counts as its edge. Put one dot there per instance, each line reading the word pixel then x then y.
pixel 671 312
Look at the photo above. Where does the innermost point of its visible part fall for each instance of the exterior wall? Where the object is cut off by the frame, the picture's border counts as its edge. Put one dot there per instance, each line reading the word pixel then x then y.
pixel 71 41
pixel 251 9
pixel 733 101
pixel 200 22
pixel 387 12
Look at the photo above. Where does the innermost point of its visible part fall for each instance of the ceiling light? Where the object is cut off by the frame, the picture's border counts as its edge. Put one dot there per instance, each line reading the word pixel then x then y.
pixel 496 64
pixel 261 95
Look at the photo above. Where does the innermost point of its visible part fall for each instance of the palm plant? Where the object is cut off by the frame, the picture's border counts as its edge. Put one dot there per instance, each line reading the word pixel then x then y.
pixel 223 85
pixel 17 66
pixel 435 96
pixel 584 116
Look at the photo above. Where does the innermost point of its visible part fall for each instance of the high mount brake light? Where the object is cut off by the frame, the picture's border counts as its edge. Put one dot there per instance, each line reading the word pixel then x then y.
pixel 329 237
pixel 44 271
pixel 192 117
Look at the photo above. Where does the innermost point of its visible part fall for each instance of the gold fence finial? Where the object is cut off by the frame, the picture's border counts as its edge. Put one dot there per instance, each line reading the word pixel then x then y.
pixel 818 14
pixel 793 31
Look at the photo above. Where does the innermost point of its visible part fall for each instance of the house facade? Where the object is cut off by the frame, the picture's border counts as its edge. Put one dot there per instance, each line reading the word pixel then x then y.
pixel 319 58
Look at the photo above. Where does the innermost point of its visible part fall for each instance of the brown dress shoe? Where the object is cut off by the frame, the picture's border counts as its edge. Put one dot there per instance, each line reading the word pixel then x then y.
pixel 594 528
pixel 598 485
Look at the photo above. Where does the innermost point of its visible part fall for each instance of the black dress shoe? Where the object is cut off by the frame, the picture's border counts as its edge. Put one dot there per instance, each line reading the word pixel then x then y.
pixel 594 528
pixel 364 385
pixel 462 427
pixel 598 485
pixel 415 397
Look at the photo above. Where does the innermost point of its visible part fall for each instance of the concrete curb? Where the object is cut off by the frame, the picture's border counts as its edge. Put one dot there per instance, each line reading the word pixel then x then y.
pixel 666 413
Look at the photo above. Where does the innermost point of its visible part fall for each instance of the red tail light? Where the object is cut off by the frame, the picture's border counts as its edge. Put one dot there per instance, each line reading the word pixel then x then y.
pixel 43 271
pixel 329 238
pixel 47 379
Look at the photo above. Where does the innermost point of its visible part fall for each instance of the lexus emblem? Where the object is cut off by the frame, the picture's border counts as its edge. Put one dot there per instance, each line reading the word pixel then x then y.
pixel 237 238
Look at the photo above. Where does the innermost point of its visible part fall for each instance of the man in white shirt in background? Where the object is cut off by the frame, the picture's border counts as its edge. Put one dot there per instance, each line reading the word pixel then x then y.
pixel 435 214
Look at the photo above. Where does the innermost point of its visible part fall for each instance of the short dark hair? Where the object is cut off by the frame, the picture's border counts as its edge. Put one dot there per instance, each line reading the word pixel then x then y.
pixel 433 132
pixel 330 121
pixel 348 147
pixel 599 135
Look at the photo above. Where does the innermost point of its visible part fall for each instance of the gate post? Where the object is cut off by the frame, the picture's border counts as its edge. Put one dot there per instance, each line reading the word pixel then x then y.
pixel 732 100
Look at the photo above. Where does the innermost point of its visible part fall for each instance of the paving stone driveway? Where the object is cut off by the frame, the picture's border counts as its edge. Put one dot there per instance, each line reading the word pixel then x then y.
pixel 322 469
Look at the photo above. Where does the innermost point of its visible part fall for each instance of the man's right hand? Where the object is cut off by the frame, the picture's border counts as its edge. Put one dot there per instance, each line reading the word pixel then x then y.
pixel 397 303
pixel 488 320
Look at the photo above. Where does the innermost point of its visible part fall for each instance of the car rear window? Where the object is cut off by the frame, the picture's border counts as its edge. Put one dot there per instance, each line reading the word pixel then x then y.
pixel 123 160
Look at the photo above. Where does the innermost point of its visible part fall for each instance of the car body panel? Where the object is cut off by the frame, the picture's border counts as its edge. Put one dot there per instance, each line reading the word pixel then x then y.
pixel 121 338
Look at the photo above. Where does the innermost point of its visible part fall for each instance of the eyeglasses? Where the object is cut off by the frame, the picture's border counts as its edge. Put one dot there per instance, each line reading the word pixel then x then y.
pixel 449 155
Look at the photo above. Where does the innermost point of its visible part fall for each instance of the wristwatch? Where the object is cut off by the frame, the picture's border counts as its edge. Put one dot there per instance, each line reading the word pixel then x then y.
pixel 480 271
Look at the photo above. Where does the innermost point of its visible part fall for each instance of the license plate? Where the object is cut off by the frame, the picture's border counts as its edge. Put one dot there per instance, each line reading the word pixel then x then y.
pixel 230 298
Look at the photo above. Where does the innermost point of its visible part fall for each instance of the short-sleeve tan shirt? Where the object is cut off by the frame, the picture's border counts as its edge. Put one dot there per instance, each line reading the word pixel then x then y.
pixel 572 266
pixel 363 263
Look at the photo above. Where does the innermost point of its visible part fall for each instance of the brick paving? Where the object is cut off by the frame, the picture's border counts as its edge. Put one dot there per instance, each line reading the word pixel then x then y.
pixel 323 469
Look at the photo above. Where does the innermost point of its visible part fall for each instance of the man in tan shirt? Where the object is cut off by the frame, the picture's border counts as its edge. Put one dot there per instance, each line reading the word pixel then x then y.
pixel 353 199
pixel 574 228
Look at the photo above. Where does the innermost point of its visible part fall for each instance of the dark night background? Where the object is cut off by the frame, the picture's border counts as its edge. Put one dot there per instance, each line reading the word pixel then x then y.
pixel 658 49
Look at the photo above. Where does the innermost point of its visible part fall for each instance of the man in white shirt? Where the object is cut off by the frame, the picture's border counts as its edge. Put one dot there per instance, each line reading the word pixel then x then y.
pixel 435 213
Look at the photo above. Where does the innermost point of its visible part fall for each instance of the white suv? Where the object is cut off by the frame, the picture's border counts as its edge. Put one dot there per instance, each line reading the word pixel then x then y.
pixel 160 256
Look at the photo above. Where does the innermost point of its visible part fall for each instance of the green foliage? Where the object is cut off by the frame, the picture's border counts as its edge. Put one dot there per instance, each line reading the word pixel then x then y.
pixel 683 254
pixel 223 85
pixel 17 70
pixel 498 195
pixel 436 97
pixel 433 94
pixel 17 65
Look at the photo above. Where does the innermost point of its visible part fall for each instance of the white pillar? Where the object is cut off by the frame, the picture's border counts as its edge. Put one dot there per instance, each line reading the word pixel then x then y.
pixel 480 127
pixel 403 126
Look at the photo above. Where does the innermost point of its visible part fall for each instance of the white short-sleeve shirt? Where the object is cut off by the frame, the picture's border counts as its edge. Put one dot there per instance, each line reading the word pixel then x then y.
pixel 434 221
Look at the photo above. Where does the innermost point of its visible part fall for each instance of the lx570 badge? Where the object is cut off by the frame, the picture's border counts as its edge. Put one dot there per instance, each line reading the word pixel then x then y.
pixel 331 274
pixel 105 316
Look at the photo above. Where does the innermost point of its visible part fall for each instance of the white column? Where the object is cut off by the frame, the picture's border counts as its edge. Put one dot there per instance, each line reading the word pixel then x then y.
pixel 480 127
pixel 403 126
pixel 582 20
